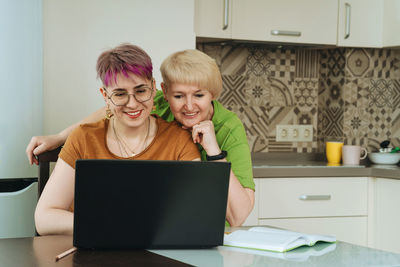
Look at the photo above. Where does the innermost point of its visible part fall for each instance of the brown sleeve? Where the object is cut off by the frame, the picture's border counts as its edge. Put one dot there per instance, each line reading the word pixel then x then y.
pixel 71 149
pixel 188 149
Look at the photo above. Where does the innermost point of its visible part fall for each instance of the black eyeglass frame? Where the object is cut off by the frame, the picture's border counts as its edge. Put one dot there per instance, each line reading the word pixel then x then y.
pixel 134 96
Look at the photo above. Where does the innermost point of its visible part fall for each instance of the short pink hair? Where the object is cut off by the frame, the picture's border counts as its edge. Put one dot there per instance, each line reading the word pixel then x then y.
pixel 126 59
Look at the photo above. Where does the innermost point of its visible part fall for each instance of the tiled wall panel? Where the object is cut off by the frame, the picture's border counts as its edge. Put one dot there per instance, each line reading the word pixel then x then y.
pixel 349 94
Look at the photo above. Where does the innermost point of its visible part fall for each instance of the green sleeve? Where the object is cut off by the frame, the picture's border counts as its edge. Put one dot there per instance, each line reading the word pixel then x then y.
pixel 162 107
pixel 239 155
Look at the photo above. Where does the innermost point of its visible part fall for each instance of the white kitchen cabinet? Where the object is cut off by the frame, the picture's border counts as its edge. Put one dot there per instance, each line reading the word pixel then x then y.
pixel 387 215
pixel 360 23
pixel 289 21
pixel 213 18
pixel 391 23
pixel 328 205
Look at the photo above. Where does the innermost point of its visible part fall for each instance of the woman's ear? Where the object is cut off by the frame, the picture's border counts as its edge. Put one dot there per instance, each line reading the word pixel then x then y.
pixel 154 84
pixel 164 89
pixel 104 93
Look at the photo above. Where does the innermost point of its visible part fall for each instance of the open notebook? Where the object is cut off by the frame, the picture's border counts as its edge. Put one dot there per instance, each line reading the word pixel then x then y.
pixel 271 239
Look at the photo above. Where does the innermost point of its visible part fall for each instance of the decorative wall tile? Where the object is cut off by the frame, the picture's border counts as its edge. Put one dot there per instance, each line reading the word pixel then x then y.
pixel 333 122
pixel 281 93
pixel 358 63
pixel 274 146
pixel 380 93
pixel 306 91
pixel 395 70
pixel 331 94
pixel 382 62
pixel 259 144
pixel 356 141
pixel 322 92
pixel 350 92
pixel 257 91
pixel 321 122
pixel 362 90
pixel 258 62
pixel 305 115
pixel 307 63
pixel 380 123
pixel 234 60
pixel 395 123
pixel 332 62
pixel 321 146
pixel 356 122
pixel 233 93
pixel 213 51
pixel 254 119
pixel 283 64
pixel 396 94
pixel 305 147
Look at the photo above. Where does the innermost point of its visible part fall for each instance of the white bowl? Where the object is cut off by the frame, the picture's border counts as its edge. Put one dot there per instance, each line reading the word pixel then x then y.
pixel 384 158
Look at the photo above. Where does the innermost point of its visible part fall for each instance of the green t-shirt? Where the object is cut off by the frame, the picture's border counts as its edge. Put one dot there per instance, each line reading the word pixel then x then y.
pixel 230 134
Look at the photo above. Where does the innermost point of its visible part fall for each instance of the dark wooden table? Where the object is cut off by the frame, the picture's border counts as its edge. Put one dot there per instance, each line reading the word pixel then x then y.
pixel 41 251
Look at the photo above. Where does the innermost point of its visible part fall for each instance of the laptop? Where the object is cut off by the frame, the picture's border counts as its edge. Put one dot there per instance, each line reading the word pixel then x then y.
pixel 149 204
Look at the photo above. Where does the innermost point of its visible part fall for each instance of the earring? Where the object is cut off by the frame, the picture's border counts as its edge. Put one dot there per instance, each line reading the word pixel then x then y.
pixel 109 113
pixel 154 108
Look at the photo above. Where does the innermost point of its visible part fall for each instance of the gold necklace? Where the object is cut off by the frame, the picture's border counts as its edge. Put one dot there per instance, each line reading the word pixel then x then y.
pixel 123 145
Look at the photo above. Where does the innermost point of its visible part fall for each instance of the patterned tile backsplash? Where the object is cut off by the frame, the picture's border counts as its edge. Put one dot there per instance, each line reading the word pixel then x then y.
pixel 348 94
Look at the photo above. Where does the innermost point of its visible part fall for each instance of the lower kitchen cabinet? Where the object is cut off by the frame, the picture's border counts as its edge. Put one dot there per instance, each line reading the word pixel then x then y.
pixel 358 210
pixel 326 205
pixel 387 216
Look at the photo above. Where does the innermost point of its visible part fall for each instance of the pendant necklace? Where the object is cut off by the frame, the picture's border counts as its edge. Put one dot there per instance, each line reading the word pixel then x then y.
pixel 122 144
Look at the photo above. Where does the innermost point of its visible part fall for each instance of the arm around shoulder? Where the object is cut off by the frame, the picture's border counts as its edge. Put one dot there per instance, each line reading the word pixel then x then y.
pixel 41 144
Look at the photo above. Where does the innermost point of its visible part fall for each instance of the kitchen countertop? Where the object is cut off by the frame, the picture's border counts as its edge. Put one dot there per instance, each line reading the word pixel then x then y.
pixel 270 165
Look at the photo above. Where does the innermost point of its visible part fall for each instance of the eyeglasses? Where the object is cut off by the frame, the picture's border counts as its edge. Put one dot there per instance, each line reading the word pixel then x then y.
pixel 121 97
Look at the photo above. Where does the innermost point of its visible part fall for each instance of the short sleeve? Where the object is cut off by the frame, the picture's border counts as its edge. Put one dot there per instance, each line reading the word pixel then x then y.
pixel 239 155
pixel 71 150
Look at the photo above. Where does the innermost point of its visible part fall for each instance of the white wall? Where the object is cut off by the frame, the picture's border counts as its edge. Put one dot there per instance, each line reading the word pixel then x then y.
pixel 21 83
pixel 77 31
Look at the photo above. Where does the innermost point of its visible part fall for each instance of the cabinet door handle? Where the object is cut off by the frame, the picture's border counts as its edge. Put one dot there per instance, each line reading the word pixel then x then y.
pixel 287 33
pixel 225 23
pixel 315 197
pixel 348 20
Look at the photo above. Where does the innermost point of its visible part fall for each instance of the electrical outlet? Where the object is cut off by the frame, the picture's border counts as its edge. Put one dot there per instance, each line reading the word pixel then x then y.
pixel 294 133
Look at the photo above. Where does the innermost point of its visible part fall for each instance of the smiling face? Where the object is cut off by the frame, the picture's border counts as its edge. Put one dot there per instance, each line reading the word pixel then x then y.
pixel 132 114
pixel 189 104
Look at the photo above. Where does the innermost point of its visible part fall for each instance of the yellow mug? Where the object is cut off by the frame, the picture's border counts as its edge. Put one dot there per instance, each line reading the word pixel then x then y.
pixel 334 152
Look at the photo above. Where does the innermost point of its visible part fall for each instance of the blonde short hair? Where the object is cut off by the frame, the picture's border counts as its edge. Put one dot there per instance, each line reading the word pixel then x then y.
pixel 192 67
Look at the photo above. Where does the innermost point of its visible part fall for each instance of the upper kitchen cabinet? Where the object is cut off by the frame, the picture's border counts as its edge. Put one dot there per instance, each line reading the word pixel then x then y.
pixel 391 23
pixel 289 21
pixel 284 21
pixel 213 18
pixel 360 23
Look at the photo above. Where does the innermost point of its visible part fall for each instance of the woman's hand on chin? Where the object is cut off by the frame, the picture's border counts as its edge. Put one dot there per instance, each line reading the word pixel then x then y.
pixel 204 134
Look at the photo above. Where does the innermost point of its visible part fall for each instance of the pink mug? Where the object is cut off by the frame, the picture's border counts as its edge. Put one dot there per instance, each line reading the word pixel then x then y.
pixel 351 155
